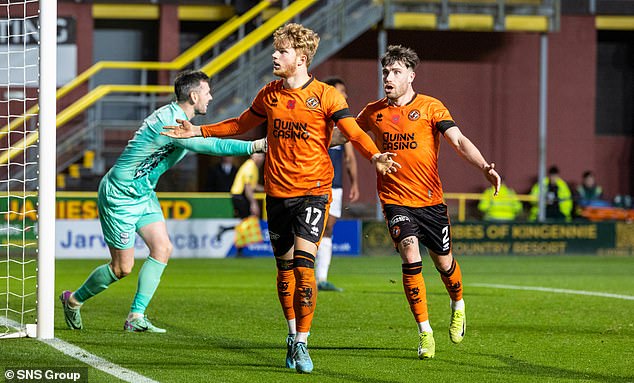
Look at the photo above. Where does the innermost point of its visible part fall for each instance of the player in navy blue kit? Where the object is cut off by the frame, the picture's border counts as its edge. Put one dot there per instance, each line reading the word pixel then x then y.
pixel 342 156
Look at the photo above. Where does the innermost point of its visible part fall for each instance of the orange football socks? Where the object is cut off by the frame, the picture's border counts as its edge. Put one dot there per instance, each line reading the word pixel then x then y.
pixel 286 287
pixel 415 291
pixel 305 290
pixel 452 279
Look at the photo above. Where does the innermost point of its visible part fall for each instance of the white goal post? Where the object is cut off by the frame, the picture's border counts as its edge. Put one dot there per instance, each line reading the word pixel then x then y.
pixel 48 169
pixel 28 43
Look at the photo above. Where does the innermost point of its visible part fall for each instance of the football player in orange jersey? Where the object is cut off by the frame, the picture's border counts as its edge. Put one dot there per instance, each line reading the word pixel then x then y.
pixel 299 112
pixel 410 124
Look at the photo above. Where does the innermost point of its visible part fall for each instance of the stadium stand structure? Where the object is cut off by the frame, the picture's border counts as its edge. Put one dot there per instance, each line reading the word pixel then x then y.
pixel 89 141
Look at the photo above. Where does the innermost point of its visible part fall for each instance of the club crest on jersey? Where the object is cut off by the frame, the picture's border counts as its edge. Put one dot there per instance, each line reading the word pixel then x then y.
pixel 413 115
pixel 312 102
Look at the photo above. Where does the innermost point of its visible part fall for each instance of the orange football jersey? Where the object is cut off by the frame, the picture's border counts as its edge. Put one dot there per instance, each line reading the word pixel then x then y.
pixel 411 132
pixel 299 130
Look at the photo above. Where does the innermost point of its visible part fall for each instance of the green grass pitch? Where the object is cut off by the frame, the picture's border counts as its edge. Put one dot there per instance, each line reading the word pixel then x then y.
pixel 225 324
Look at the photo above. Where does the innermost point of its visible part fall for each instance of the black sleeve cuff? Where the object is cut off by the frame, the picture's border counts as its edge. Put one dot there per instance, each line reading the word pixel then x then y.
pixel 443 125
pixel 256 113
pixel 343 113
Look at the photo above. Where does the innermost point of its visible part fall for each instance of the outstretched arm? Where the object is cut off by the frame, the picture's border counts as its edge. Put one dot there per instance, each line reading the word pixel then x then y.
pixel 383 162
pixel 230 127
pixel 222 147
pixel 467 150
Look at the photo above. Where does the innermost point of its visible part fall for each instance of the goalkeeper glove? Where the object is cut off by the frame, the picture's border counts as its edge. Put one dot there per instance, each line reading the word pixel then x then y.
pixel 259 146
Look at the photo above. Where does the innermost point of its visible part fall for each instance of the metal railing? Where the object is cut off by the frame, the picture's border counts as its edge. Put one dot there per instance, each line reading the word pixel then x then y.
pixel 336 22
pixel 186 58
pixel 243 68
pixel 89 99
pixel 218 63
pixel 239 71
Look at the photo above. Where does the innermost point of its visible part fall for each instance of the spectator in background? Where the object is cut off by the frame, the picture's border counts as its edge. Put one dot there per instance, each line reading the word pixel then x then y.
pixel 245 185
pixel 558 197
pixel 588 192
pixel 221 176
pixel 340 155
pixel 243 189
pixel 501 208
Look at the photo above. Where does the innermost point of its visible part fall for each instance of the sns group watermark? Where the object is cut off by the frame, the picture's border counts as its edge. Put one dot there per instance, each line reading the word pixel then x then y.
pixel 46 374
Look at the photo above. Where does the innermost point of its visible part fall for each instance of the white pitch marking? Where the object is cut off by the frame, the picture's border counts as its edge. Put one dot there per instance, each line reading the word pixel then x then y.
pixel 553 290
pixel 88 358
pixel 97 362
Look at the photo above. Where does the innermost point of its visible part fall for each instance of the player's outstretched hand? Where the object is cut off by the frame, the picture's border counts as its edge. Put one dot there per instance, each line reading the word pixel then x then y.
pixel 384 163
pixel 260 146
pixel 492 176
pixel 185 130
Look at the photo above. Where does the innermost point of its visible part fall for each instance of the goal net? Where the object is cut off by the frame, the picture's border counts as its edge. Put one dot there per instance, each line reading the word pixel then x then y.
pixel 27 164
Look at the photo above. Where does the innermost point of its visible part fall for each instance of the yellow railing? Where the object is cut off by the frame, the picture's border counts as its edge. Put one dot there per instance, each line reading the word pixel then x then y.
pixel 216 65
pixel 77 107
pixel 258 35
pixel 464 197
pixel 180 62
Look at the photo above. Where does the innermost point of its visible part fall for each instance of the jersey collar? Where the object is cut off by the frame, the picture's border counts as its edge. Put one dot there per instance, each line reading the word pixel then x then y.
pixel 308 82
pixel 389 103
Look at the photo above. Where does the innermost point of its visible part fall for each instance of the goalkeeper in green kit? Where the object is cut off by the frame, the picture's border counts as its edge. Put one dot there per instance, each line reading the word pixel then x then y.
pixel 128 204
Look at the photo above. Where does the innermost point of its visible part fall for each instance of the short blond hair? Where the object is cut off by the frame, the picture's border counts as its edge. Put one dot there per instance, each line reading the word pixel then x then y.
pixel 298 37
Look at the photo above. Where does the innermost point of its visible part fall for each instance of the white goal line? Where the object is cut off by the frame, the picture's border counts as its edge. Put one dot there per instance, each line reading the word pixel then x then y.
pixel 90 359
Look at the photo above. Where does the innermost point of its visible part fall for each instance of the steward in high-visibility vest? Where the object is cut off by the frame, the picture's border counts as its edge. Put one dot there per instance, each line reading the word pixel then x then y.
pixel 559 201
pixel 503 207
